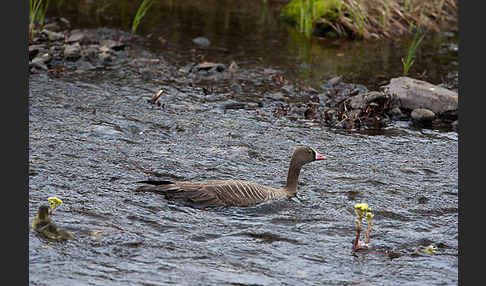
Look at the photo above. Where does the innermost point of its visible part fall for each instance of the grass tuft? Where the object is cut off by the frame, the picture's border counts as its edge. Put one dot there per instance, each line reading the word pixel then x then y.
pixel 37 13
pixel 142 9
pixel 410 58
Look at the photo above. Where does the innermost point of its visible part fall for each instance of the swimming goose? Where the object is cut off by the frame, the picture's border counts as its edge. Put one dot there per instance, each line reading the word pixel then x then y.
pixel 233 192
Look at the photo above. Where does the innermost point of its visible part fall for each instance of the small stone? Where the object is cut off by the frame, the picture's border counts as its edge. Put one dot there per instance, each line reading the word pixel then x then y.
pixel 335 80
pixel 77 36
pixel 72 52
pixel 54 27
pixel 42 59
pixel 90 52
pixel 53 36
pixel 422 115
pixel 114 45
pixel 38 63
pixel 105 56
pixel 455 125
pixel 65 21
pixel 201 41
pixel 34 50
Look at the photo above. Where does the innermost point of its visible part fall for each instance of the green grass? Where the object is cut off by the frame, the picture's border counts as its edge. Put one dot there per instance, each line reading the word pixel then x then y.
pixel 37 13
pixel 142 9
pixel 410 58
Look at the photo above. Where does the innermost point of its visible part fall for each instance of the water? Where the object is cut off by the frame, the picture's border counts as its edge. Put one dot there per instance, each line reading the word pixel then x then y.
pixel 252 34
pixel 91 137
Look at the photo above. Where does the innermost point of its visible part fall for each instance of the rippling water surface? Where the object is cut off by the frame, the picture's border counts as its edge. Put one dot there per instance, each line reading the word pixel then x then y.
pixel 91 140
pixel 91 161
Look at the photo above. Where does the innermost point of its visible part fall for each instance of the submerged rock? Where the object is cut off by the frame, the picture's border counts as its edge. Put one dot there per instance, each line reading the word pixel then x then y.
pixel 201 41
pixel 414 93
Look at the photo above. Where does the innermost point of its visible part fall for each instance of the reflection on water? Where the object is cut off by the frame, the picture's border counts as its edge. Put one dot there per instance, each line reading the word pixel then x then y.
pixel 251 33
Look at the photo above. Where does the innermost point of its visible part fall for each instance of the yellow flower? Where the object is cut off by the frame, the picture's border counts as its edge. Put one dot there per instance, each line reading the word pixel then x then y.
pixel 429 249
pixel 55 202
pixel 360 209
pixel 369 216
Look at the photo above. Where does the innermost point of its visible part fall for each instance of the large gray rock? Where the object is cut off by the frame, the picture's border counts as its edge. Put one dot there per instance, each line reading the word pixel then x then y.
pixel 413 94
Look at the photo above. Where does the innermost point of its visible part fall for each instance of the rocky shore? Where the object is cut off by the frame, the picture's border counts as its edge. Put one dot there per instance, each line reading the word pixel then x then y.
pixel 58 50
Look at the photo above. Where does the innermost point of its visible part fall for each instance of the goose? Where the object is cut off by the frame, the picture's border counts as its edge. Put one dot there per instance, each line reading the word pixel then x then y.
pixel 215 193
pixel 43 224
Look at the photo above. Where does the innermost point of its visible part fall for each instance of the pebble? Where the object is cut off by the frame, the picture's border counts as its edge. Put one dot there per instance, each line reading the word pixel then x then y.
pixel 53 36
pixel 77 36
pixel 72 52
pixel 201 41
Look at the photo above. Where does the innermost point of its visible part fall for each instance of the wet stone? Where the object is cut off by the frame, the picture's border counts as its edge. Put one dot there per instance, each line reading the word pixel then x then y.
pixel 113 45
pixel 91 52
pixel 77 36
pixel 36 49
pixel 201 41
pixel 41 60
pixel 105 57
pixel 72 52
pixel 455 125
pixel 54 27
pixel 422 115
pixel 53 36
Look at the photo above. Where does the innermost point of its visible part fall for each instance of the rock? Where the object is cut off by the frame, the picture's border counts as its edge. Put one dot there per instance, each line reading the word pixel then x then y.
pixel 91 52
pixel 413 94
pixel 105 56
pixel 233 67
pixel 34 50
pixel 210 67
pixel 53 26
pixel 362 100
pixel 72 52
pixel 335 80
pixel 39 62
pixel 422 115
pixel 43 58
pixel 65 22
pixel 113 45
pixel 53 36
pixel 201 41
pixel 77 36
pixel 397 114
pixel 455 125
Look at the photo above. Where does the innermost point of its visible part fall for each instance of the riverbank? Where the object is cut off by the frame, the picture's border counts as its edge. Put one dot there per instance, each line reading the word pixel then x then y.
pixel 95 53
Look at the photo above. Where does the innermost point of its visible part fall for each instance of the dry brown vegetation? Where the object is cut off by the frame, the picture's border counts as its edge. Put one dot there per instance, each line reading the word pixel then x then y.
pixel 387 18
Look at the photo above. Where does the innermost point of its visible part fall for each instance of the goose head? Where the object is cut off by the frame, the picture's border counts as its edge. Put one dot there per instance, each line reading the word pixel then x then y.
pixel 303 155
